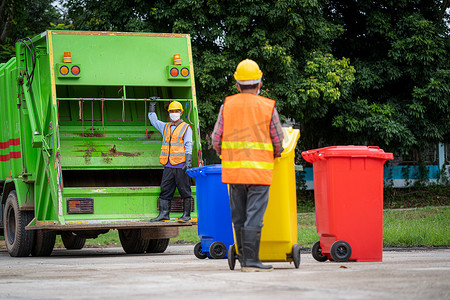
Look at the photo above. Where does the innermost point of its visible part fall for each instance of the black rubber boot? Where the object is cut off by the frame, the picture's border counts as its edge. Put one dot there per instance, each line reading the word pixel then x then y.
pixel 164 208
pixel 238 233
pixel 251 238
pixel 187 210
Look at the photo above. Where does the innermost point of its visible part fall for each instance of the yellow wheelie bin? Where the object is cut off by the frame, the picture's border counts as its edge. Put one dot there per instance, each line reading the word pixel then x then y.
pixel 279 234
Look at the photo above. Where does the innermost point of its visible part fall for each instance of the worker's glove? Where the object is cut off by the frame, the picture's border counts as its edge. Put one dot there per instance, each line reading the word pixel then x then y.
pixel 188 163
pixel 152 106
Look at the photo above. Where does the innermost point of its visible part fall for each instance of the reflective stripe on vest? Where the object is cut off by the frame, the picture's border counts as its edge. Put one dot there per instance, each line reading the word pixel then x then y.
pixel 246 144
pixel 172 148
pixel 247 164
pixel 247 149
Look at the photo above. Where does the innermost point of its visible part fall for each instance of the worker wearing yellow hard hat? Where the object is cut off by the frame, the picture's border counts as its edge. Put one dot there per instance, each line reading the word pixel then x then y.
pixel 248 135
pixel 176 157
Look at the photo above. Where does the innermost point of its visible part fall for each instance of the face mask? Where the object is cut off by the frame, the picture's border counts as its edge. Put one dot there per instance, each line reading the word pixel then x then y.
pixel 174 116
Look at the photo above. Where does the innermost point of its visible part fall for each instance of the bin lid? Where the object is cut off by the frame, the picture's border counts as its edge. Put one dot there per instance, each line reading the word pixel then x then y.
pixel 211 169
pixel 346 151
pixel 290 140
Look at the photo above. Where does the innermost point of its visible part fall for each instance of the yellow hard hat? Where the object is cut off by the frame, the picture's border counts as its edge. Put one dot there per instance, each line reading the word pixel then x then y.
pixel 175 105
pixel 248 70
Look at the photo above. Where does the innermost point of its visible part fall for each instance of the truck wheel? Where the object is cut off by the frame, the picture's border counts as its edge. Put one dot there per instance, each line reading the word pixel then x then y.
pixel 198 251
pixel 157 246
pixel 43 243
pixel 72 241
pixel 218 250
pixel 132 241
pixel 340 251
pixel 19 241
pixel 316 252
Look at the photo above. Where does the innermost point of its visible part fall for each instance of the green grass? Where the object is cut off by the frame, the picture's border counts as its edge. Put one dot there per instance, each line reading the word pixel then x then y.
pixel 306 229
pixel 111 239
pixel 428 226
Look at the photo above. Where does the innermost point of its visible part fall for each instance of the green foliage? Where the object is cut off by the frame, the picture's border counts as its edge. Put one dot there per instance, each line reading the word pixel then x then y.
pixel 419 227
pixel 323 80
pixel 419 195
pixel 6 52
pixel 400 99
pixel 20 19
pixel 61 26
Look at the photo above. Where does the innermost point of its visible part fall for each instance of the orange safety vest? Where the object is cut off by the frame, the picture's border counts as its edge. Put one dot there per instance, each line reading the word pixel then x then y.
pixel 172 148
pixel 247 149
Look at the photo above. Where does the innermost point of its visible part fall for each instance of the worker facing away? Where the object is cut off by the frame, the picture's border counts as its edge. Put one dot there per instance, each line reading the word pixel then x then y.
pixel 176 157
pixel 248 135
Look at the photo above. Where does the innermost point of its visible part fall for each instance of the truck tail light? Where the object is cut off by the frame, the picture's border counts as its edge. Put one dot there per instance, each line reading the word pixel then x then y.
pixel 185 72
pixel 75 70
pixel 174 72
pixel 64 70
pixel 80 206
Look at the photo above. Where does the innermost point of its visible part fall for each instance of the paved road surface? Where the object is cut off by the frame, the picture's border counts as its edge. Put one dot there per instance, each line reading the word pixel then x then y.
pixel 109 273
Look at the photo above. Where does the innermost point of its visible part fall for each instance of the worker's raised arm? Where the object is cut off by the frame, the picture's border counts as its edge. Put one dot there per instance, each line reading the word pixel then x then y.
pixel 154 118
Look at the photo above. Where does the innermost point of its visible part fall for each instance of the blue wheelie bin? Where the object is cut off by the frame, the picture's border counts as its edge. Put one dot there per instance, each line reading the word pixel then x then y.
pixel 215 228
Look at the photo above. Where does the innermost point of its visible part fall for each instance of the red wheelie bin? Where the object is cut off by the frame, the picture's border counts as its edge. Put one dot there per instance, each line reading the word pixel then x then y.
pixel 348 193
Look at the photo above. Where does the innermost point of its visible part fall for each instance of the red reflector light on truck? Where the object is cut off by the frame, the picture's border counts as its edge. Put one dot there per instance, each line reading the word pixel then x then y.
pixel 174 72
pixel 75 70
pixel 80 206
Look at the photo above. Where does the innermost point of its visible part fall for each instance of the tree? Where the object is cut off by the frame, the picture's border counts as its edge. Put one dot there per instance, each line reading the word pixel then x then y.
pixel 24 18
pixel 400 99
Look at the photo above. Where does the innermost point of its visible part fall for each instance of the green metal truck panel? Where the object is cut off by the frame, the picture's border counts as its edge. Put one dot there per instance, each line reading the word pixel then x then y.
pixel 75 141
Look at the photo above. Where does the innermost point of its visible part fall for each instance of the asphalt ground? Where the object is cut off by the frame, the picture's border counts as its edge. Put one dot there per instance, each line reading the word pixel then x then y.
pixel 109 273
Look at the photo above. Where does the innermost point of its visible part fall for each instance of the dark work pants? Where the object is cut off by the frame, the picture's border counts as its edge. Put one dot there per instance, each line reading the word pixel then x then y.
pixel 248 204
pixel 174 178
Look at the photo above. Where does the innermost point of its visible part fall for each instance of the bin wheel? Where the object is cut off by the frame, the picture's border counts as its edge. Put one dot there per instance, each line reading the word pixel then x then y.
pixel 232 257
pixel 198 251
pixel 296 255
pixel 218 250
pixel 316 252
pixel 340 251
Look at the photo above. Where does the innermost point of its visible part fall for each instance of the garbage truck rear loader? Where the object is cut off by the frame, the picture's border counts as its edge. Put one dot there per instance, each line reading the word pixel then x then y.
pixel 78 156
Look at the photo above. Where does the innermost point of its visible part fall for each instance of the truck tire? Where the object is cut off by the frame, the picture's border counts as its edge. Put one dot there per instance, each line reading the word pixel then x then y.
pixel 44 241
pixel 72 241
pixel 19 241
pixel 132 241
pixel 157 246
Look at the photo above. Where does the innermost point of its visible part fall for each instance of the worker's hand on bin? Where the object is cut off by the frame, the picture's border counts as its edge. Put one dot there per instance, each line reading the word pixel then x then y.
pixel 188 163
pixel 152 106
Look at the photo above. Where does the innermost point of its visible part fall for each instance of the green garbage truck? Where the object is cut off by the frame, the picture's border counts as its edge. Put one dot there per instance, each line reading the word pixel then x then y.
pixel 78 155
